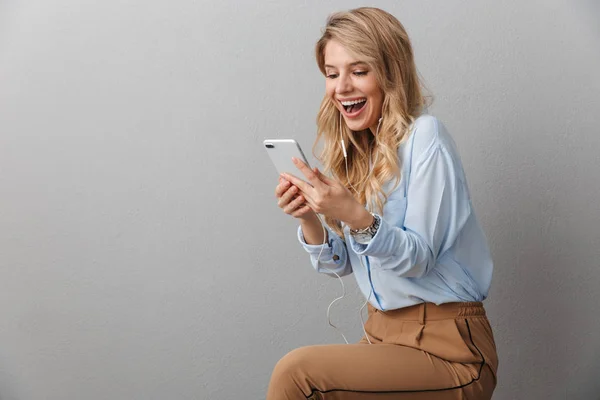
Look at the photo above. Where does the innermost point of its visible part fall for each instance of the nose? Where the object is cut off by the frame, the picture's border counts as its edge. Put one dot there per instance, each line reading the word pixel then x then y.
pixel 344 84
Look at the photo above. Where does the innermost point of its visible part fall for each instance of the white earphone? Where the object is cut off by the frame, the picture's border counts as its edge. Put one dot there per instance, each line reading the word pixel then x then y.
pixel 346 154
pixel 342 139
pixel 360 257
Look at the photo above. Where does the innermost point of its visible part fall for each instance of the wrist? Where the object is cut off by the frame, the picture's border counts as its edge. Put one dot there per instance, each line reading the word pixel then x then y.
pixel 362 219
pixel 313 230
pixel 364 235
pixel 310 219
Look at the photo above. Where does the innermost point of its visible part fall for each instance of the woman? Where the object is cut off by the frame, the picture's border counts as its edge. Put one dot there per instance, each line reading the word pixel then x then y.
pixel 400 218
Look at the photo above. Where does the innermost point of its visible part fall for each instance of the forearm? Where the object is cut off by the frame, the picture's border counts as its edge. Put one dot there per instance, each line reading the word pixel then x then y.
pixel 313 231
pixel 360 218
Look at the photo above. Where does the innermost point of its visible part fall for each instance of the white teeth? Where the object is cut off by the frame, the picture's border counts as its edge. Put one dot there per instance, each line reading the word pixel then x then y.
pixel 349 103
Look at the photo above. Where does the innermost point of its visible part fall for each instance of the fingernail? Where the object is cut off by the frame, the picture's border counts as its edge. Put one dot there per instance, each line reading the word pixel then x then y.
pixel 294 159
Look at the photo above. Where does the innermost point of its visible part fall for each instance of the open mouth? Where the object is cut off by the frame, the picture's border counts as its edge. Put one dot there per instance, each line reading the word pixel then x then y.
pixel 352 107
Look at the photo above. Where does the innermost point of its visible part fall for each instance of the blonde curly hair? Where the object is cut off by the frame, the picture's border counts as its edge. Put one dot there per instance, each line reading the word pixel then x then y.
pixel 378 39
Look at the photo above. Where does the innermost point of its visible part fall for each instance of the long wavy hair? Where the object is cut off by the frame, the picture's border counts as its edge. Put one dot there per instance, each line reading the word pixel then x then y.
pixel 378 39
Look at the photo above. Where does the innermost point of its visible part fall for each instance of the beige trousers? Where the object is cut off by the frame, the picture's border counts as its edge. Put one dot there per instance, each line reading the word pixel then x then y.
pixel 419 352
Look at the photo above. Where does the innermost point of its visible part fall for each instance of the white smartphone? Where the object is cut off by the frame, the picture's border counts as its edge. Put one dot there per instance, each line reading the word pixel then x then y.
pixel 281 152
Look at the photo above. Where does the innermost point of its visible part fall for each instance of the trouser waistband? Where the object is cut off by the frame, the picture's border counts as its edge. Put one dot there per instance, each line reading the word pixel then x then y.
pixel 430 312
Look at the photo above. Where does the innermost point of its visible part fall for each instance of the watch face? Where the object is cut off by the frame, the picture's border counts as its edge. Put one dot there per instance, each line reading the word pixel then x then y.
pixel 363 236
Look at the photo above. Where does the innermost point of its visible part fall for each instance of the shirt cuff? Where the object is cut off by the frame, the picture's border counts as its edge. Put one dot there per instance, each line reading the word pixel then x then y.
pixel 330 251
pixel 364 248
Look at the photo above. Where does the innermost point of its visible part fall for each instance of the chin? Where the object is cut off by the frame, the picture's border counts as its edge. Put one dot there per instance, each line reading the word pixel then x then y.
pixel 357 125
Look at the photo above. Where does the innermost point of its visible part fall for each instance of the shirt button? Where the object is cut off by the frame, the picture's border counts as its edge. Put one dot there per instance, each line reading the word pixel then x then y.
pixel 336 257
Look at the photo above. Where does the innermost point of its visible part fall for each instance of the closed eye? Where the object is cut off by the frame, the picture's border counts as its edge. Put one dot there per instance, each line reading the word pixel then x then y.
pixel 356 73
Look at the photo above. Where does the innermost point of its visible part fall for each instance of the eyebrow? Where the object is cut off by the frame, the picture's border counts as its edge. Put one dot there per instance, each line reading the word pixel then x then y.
pixel 350 65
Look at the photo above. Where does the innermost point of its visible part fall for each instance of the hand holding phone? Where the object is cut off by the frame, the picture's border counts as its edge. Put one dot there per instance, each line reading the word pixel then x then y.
pixel 289 198
pixel 292 202
pixel 281 152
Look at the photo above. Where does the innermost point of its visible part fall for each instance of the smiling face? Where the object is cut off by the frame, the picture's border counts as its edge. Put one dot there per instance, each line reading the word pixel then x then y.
pixel 352 87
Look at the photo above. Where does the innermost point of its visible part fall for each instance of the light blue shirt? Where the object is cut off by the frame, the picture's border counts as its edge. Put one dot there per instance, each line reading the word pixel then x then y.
pixel 429 246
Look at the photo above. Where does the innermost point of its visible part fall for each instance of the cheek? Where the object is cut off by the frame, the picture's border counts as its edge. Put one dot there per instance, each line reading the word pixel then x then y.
pixel 374 90
pixel 330 93
pixel 376 97
pixel 378 100
pixel 329 89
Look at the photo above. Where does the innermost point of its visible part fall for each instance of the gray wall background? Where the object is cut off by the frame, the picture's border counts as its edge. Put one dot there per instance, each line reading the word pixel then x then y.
pixel 142 254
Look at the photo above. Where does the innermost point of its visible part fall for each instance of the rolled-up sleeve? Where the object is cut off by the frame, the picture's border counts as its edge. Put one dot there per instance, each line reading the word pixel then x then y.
pixel 437 208
pixel 334 255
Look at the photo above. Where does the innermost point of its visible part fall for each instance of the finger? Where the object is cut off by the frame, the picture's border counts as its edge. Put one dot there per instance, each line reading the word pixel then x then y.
pixel 298 202
pixel 282 187
pixel 285 199
pixel 301 211
pixel 301 184
pixel 312 177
